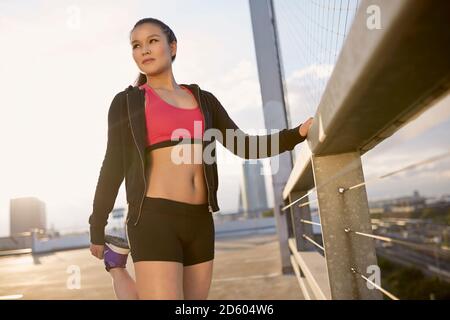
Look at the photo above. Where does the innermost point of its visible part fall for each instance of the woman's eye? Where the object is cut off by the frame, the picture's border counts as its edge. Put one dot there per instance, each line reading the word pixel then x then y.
pixel 135 46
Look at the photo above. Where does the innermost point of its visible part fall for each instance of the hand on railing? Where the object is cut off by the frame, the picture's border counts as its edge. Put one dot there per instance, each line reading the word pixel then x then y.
pixel 304 128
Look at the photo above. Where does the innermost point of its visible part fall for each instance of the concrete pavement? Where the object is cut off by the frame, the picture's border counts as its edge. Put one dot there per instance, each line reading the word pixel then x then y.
pixel 245 267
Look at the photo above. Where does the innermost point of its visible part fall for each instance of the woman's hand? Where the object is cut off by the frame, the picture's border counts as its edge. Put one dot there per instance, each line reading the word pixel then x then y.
pixel 97 250
pixel 304 128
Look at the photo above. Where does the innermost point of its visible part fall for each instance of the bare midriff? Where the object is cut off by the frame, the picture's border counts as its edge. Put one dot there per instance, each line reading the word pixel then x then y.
pixel 172 179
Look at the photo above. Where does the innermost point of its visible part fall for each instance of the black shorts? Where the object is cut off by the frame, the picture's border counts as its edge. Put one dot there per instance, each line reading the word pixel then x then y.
pixel 170 230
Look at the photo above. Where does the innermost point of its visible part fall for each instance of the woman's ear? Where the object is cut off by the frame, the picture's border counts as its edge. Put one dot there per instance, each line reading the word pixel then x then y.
pixel 173 48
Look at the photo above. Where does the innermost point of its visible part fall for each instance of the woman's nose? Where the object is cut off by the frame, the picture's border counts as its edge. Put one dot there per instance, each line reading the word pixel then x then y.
pixel 145 49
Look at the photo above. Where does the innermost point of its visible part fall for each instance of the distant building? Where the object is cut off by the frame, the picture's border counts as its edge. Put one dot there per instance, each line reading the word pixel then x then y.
pixel 439 202
pixel 253 196
pixel 118 214
pixel 116 222
pixel 401 204
pixel 26 213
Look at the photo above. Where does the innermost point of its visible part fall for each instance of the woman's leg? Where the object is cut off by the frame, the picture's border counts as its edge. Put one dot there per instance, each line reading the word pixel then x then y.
pixel 197 280
pixel 199 254
pixel 124 285
pixel 158 280
pixel 115 258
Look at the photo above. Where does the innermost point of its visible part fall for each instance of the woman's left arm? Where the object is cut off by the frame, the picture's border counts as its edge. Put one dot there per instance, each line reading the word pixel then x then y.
pixel 249 146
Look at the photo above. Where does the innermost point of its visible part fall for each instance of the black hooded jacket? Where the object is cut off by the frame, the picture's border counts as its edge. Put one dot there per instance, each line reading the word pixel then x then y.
pixel 125 153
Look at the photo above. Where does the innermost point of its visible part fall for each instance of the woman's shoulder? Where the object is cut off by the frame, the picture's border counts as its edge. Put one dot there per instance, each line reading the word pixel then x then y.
pixel 203 93
pixel 120 96
pixel 210 97
pixel 119 99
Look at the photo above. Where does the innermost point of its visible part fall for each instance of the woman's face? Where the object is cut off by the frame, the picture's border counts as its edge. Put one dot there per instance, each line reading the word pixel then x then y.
pixel 147 41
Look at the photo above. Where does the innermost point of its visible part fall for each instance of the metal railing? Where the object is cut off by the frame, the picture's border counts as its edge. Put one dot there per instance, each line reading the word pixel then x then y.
pixel 379 96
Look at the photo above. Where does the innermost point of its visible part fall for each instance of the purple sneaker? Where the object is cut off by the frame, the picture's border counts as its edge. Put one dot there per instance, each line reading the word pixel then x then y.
pixel 116 252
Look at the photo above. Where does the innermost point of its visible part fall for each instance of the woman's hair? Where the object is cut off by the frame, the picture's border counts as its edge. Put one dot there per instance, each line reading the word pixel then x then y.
pixel 142 78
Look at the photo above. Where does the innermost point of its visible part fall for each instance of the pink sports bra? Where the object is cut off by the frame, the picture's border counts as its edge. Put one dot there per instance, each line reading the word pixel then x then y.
pixel 162 119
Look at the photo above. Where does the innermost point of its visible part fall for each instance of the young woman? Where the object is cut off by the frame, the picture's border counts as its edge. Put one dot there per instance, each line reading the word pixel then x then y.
pixel 169 226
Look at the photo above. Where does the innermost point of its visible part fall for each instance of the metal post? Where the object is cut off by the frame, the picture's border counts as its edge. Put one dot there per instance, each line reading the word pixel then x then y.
pixel 338 211
pixel 270 71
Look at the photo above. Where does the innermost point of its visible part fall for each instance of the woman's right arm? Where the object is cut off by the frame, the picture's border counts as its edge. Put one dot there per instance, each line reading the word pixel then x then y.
pixel 111 175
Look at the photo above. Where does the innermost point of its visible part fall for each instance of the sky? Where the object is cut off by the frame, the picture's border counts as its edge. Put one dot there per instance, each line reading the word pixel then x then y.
pixel 62 62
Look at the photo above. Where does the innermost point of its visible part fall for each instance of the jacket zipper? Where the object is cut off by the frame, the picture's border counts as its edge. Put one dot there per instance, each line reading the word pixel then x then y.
pixel 203 164
pixel 142 162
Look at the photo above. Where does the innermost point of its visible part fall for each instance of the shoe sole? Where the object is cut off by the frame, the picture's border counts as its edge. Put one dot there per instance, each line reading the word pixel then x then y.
pixel 117 249
pixel 117 241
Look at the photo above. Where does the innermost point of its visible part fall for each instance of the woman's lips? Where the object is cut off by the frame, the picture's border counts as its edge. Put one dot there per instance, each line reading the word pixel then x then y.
pixel 147 60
